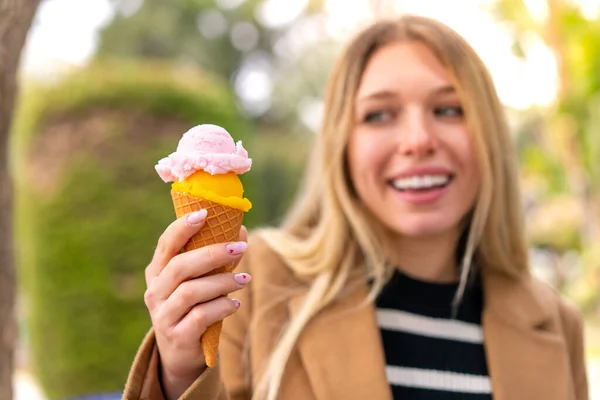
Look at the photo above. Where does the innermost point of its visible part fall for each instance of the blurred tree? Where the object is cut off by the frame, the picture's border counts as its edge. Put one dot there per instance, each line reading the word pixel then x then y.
pixel 568 132
pixel 15 19
pixel 183 30
pixel 244 41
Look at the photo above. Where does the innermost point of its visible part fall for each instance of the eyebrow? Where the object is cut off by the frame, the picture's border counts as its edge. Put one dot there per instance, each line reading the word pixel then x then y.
pixel 386 94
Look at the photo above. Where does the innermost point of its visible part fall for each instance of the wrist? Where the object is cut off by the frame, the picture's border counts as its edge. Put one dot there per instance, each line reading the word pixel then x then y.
pixel 175 385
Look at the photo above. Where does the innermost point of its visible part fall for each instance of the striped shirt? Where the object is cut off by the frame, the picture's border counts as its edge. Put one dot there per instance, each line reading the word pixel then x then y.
pixel 429 355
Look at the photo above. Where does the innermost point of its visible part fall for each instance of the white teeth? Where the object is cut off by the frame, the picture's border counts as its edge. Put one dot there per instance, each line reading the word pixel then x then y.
pixel 421 182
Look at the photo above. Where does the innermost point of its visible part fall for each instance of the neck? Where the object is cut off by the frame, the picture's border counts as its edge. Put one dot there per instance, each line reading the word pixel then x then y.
pixel 431 258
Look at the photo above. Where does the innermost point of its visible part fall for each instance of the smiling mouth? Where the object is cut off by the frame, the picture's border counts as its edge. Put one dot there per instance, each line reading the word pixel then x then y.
pixel 421 183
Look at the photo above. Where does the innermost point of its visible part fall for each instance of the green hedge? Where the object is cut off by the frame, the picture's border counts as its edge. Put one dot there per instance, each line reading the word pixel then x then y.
pixel 278 162
pixel 86 232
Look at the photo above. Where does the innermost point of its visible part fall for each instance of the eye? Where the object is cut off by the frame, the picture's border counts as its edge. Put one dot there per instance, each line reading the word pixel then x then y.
pixel 449 111
pixel 377 116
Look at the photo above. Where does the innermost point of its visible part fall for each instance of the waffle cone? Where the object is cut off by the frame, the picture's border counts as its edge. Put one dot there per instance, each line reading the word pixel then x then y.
pixel 222 225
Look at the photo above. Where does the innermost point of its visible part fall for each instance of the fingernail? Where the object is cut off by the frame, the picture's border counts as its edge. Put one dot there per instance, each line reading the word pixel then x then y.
pixel 197 217
pixel 242 279
pixel 234 248
pixel 236 303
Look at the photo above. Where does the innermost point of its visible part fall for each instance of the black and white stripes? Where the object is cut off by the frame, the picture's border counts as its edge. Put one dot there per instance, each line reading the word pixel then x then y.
pixel 428 354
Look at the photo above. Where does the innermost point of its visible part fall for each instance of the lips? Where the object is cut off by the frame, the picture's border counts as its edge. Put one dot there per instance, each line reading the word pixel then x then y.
pixel 421 182
pixel 422 185
pixel 422 178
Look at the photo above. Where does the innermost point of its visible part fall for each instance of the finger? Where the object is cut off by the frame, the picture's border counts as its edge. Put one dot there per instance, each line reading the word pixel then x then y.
pixel 243 238
pixel 192 264
pixel 194 324
pixel 201 290
pixel 170 243
pixel 243 234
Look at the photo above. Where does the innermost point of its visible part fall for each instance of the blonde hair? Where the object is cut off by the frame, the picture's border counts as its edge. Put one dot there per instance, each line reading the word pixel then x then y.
pixel 328 235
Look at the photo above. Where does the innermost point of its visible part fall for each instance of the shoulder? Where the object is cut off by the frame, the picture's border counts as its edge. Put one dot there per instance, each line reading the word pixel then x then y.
pixel 259 249
pixel 564 308
pixel 563 311
pixel 264 263
pixel 269 293
pixel 570 323
pixel 532 302
pixel 260 256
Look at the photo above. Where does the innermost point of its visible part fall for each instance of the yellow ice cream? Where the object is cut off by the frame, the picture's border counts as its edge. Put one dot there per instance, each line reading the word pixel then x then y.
pixel 226 189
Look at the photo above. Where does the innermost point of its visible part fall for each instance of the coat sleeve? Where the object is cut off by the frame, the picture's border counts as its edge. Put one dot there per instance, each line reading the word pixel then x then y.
pixel 574 336
pixel 229 379
pixel 143 382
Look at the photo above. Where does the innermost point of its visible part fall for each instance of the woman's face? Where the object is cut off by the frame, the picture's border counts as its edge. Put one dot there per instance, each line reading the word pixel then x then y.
pixel 410 154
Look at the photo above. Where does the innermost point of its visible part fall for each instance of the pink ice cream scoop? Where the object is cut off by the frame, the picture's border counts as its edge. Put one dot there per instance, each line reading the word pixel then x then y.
pixel 204 147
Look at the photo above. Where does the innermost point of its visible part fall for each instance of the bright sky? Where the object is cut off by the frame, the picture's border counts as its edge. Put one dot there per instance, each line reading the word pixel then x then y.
pixel 57 42
pixel 64 34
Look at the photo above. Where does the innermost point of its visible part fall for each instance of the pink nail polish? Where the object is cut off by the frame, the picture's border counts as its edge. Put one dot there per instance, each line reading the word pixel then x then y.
pixel 236 303
pixel 234 248
pixel 197 217
pixel 242 279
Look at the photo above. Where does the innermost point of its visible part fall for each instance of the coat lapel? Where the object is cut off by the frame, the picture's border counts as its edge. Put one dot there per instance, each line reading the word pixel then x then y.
pixel 341 350
pixel 526 353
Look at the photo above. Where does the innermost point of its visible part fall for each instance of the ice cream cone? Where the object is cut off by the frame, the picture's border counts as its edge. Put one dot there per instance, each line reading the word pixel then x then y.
pixel 204 170
pixel 222 224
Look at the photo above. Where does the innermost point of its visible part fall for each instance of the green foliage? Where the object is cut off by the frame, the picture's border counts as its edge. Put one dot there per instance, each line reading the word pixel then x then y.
pixel 230 41
pixel 568 159
pixel 170 31
pixel 86 310
pixel 150 87
pixel 536 161
pixel 85 237
pixel 277 169
pixel 562 238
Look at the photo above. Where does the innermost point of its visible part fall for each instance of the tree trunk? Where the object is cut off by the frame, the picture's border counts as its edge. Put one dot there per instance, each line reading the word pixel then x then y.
pixel 15 19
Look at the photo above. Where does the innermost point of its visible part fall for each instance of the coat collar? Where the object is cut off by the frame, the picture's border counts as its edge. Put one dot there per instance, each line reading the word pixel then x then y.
pixel 527 359
pixel 341 350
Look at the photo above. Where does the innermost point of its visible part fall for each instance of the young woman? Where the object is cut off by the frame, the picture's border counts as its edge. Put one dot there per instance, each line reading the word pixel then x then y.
pixel 402 270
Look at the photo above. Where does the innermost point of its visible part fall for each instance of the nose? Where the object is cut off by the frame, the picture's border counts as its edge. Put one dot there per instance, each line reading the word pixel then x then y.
pixel 416 138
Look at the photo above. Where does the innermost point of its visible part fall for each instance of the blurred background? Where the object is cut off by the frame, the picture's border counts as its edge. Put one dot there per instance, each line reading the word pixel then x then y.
pixel 108 87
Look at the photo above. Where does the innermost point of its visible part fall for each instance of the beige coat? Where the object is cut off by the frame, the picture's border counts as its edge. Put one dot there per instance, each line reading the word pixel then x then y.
pixel 533 343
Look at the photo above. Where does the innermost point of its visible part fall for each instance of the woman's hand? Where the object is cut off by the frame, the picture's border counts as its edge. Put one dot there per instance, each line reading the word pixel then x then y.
pixel 183 304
